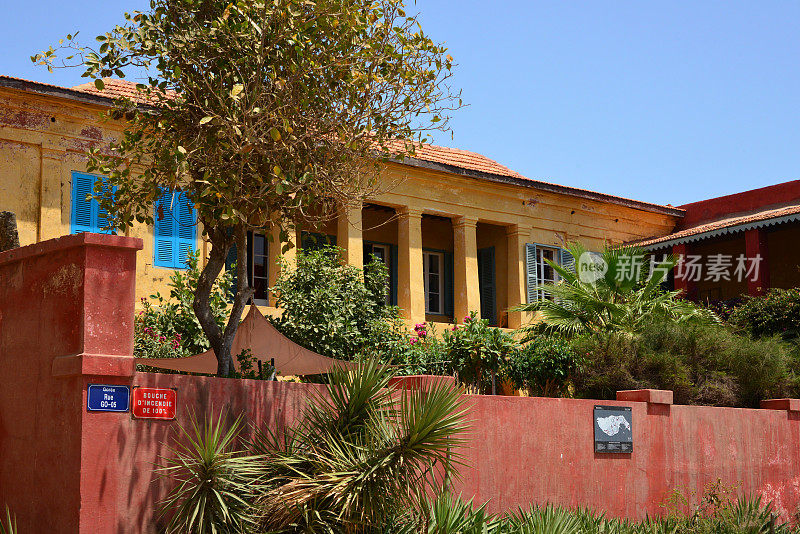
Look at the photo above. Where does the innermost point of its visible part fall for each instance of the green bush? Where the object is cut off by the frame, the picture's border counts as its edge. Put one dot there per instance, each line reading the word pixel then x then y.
pixel 337 310
pixel 776 313
pixel 701 364
pixel 478 353
pixel 168 327
pixel 544 366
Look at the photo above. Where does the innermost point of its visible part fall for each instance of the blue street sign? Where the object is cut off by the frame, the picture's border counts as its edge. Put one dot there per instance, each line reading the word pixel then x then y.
pixel 106 398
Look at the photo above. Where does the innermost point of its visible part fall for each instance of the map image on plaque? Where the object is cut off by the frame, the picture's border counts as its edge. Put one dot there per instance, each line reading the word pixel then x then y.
pixel 613 429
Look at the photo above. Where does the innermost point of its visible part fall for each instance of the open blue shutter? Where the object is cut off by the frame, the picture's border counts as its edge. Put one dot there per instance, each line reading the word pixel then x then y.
pixel 186 222
pixel 531 277
pixel 567 260
pixel 175 229
pixel 164 253
pixel 486 284
pixel 84 211
pixel 86 215
pixel 449 299
pixel 393 275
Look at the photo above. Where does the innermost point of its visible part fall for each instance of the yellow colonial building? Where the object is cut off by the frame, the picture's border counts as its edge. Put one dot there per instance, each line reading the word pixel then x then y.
pixel 458 231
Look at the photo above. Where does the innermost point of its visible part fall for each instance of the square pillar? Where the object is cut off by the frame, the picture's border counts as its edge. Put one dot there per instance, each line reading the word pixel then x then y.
pixel 467 295
pixel 515 238
pixel 410 282
pixel 349 236
pixel 274 248
pixel 684 284
pixel 756 251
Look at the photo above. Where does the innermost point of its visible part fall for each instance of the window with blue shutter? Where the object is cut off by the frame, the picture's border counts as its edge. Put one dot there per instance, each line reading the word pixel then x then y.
pixel 175 230
pixel 567 260
pixel 531 276
pixel 86 215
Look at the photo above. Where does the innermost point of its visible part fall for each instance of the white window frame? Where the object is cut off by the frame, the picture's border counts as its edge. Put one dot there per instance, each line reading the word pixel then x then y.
pixel 258 301
pixel 426 255
pixel 541 265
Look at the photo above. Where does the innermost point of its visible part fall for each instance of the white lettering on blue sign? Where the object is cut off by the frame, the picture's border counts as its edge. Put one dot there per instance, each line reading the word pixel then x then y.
pixel 108 398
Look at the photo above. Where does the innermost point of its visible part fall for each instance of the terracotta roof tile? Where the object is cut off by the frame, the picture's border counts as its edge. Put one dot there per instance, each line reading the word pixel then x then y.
pixel 730 222
pixel 115 88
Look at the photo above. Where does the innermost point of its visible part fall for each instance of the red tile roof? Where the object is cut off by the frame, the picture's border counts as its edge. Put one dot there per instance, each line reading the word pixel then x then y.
pixel 448 159
pixel 114 88
pixel 729 222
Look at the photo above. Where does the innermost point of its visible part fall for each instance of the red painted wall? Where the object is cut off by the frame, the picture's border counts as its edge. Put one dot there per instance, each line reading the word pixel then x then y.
pixel 66 310
pixel 720 207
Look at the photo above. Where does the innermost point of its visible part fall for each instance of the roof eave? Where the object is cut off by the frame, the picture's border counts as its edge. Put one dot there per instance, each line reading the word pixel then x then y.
pixel 543 186
pixel 719 232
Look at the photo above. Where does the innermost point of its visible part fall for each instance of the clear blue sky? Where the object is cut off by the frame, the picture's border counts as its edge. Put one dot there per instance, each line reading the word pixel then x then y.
pixel 667 102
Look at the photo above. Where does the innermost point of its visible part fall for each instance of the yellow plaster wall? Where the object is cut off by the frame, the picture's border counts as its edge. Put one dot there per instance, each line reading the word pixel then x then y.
pixel 44 138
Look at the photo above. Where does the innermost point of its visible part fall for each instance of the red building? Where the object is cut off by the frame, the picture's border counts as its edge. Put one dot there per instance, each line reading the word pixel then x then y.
pixel 737 244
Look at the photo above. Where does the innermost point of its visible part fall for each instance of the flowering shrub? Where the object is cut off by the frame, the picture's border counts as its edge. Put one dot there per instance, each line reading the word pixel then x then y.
pixel 776 313
pixel 478 353
pixel 168 327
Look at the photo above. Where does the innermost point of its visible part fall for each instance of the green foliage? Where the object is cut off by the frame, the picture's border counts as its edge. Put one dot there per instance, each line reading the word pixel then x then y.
pixel 9 525
pixel 478 352
pixel 252 369
pixel 362 455
pixel 173 318
pixel 776 313
pixel 259 113
pixel 623 299
pixel 337 310
pixel 214 482
pixel 701 364
pixel 544 366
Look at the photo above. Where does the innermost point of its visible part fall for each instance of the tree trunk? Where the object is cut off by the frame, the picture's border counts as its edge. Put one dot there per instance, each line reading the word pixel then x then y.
pixel 222 340
pixel 9 237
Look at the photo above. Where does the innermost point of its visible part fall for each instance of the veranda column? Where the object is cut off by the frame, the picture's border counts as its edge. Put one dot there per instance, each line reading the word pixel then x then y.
pixel 410 286
pixel 755 241
pixel 467 295
pixel 274 248
pixel 515 240
pixel 350 235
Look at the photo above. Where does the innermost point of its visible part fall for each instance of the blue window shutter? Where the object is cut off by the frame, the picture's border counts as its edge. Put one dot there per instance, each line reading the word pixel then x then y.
pixel 449 300
pixel 174 232
pixel 486 285
pixel 186 230
pixel 531 277
pixel 83 216
pixel 164 232
pixel 86 215
pixel 393 274
pixel 567 260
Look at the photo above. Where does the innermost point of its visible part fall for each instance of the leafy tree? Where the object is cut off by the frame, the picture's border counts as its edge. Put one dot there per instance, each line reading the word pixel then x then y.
pixel 620 298
pixel 337 310
pixel 776 313
pixel 260 113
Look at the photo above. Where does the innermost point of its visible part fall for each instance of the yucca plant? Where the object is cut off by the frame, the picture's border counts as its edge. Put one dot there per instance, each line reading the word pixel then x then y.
pixel 214 481
pixel 9 526
pixel 621 298
pixel 449 514
pixel 543 520
pixel 361 457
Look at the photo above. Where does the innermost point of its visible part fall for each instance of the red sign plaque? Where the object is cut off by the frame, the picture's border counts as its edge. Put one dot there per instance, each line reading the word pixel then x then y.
pixel 153 403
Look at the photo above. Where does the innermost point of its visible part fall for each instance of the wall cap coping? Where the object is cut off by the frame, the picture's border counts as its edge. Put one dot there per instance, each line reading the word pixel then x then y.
pixel 791 405
pixel 651 396
pixel 70 241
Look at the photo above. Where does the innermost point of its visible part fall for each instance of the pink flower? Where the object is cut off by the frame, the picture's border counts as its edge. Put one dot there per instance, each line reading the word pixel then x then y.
pixel 412 340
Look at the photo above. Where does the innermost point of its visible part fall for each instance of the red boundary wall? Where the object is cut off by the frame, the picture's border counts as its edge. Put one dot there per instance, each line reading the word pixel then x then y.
pixel 66 313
